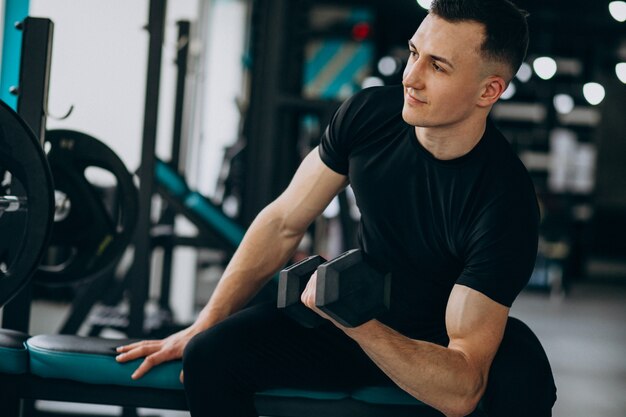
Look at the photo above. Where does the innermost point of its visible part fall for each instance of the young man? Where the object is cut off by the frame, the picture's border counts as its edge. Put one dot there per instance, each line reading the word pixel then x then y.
pixel 446 206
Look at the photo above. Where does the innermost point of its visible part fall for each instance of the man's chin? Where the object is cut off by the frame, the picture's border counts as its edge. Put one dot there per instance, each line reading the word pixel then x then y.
pixel 409 118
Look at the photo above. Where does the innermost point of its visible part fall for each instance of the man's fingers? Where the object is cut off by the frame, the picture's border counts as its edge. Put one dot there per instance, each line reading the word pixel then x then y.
pixel 148 363
pixel 308 295
pixel 131 346
pixel 138 352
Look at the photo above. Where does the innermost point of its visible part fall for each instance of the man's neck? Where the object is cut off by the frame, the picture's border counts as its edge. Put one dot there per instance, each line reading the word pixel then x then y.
pixel 446 143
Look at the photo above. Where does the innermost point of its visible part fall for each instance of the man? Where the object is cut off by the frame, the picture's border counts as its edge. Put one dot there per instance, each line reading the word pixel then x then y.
pixel 446 206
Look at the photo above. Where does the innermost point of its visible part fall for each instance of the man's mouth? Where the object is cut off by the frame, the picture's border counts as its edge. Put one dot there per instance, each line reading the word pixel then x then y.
pixel 410 96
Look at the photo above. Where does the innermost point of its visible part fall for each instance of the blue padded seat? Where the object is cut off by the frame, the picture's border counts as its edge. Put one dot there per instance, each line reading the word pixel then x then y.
pixel 384 395
pixel 92 360
pixel 13 353
pixel 300 393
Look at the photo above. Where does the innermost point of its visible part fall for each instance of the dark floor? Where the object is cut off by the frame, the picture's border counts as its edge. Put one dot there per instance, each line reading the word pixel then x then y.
pixel 584 335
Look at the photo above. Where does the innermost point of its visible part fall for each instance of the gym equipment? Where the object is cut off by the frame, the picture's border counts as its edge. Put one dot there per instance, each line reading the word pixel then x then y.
pixel 350 290
pixel 53 368
pixel 291 283
pixel 88 237
pixel 26 213
pixel 206 216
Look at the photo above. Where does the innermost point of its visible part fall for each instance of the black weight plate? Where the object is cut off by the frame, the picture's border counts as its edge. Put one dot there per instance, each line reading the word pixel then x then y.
pixel 23 234
pixel 89 234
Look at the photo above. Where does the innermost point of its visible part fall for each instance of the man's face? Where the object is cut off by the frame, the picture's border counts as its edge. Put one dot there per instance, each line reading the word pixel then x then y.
pixel 444 74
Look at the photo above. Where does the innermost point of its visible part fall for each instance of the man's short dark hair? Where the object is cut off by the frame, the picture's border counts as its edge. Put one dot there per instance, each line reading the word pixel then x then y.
pixel 506 29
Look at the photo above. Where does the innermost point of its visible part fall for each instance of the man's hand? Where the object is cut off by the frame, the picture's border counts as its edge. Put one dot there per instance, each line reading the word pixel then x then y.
pixel 308 296
pixel 156 352
pixel 308 299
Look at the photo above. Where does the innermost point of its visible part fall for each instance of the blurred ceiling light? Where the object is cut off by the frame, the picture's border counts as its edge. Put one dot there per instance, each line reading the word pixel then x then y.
pixel 424 3
pixel 524 73
pixel 618 10
pixel 388 66
pixel 545 67
pixel 620 70
pixel 594 93
pixel 509 92
pixel 563 103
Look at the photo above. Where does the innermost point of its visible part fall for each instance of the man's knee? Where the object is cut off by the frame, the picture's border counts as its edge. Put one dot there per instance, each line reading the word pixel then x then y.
pixel 212 352
pixel 201 355
pixel 231 346
pixel 521 380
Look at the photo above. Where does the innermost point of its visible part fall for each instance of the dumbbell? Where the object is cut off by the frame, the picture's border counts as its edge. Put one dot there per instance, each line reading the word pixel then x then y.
pixel 348 290
pixel 351 291
pixel 291 283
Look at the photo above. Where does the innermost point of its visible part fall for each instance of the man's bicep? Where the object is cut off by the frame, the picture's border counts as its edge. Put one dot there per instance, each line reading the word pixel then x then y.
pixel 311 189
pixel 475 325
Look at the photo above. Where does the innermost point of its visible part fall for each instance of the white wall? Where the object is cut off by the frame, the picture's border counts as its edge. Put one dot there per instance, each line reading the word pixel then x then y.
pixel 224 29
pixel 99 64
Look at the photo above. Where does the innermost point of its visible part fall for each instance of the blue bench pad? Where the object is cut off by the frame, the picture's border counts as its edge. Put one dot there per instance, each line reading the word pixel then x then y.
pixel 92 360
pixel 13 353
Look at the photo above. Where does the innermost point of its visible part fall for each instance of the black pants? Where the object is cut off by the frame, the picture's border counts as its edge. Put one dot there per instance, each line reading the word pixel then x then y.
pixel 260 348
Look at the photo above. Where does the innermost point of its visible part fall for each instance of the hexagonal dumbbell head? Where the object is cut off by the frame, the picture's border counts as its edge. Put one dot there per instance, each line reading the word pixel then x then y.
pixel 291 283
pixel 351 291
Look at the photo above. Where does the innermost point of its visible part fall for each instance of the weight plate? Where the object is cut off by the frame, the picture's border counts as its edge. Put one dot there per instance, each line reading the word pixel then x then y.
pixel 24 175
pixel 96 209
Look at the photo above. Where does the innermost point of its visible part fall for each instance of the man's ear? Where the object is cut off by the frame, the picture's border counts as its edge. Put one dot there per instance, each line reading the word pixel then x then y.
pixel 492 90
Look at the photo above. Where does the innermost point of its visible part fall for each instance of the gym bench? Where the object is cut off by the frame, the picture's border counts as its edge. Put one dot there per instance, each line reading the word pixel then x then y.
pixel 81 369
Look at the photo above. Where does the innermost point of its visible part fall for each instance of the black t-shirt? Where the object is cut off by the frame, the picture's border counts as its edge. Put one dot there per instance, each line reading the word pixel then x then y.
pixel 471 220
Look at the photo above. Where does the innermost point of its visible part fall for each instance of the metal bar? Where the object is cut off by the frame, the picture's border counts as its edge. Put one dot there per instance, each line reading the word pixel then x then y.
pixel 170 214
pixel 34 81
pixel 10 203
pixel 141 264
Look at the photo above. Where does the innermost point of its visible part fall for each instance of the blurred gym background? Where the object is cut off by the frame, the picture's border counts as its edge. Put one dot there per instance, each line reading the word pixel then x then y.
pixel 262 79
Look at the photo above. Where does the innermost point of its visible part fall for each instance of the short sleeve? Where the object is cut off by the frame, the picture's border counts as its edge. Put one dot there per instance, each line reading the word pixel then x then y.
pixel 502 248
pixel 339 137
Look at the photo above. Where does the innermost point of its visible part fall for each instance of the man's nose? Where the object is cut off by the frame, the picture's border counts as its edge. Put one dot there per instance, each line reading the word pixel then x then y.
pixel 413 75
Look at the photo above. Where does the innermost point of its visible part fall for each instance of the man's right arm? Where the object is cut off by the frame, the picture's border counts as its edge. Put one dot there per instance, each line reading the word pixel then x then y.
pixel 267 245
pixel 273 237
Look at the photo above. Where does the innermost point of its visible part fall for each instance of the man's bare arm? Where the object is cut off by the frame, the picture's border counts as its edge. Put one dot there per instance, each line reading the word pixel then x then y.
pixel 451 379
pixel 268 244
pixel 273 237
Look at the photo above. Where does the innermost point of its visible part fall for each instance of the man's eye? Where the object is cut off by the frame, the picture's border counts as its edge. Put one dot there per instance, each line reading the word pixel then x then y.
pixel 437 67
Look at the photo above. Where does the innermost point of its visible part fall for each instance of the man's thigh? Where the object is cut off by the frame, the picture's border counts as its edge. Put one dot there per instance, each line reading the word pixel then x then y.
pixel 260 348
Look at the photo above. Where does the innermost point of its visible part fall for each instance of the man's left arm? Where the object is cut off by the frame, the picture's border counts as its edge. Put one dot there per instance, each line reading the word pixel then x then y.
pixel 451 379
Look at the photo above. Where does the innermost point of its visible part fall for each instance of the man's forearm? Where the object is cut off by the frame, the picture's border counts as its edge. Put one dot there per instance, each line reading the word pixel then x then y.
pixel 436 375
pixel 266 247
